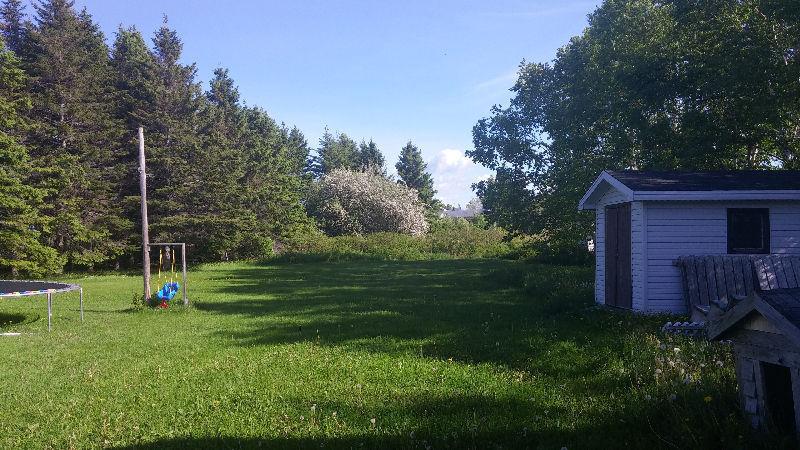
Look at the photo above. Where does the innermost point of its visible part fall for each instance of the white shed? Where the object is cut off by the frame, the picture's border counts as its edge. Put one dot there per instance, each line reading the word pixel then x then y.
pixel 646 220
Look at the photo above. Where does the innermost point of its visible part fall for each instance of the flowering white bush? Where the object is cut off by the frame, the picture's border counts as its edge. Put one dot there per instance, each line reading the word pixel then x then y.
pixel 347 202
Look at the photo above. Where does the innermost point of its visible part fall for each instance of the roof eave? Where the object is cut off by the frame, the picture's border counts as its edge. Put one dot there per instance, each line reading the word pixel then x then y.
pixel 716 195
pixel 586 204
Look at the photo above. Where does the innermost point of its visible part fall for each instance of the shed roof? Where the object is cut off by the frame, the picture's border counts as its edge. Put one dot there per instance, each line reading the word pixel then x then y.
pixel 713 185
pixel 728 180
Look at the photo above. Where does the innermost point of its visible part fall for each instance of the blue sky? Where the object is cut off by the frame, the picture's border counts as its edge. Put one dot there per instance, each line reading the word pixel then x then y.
pixel 391 71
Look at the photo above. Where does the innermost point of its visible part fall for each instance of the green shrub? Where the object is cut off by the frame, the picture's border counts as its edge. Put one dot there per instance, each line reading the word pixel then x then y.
pixel 461 239
pixel 447 239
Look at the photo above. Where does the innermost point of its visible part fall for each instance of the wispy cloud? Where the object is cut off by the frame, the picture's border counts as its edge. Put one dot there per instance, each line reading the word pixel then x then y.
pixel 505 80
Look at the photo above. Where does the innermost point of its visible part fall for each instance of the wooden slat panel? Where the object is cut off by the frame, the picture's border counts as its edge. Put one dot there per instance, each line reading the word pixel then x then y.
pixel 719 275
pixel 749 282
pixel 796 266
pixel 730 279
pixel 761 272
pixel 769 271
pixel 711 279
pixel 780 274
pixel 788 271
pixel 738 276
pixel 702 282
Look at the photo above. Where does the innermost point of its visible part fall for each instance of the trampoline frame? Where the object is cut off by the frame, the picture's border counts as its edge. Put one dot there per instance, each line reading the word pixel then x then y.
pixel 66 287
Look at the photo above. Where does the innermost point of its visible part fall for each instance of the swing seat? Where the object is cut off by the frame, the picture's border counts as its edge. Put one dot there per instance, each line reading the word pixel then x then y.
pixel 168 291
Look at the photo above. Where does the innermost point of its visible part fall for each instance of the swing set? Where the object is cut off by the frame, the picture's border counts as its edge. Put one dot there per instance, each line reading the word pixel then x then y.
pixel 169 289
pixel 170 285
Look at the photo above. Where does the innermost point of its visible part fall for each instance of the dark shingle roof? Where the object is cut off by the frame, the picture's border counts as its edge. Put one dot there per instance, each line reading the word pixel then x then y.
pixel 733 180
pixel 786 302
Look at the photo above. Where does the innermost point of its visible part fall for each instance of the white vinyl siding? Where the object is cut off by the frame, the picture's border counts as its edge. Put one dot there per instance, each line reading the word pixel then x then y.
pixel 675 229
pixel 638 254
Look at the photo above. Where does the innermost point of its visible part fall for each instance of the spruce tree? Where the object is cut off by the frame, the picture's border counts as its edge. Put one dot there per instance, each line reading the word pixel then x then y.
pixel 172 138
pixel 370 158
pixel 76 133
pixel 273 183
pixel 298 150
pixel 334 152
pixel 21 223
pixel 413 172
pixel 218 219
pixel 134 84
pixel 13 27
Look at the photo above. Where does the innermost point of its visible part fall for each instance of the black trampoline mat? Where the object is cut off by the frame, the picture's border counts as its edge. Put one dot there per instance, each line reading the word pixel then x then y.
pixel 18 288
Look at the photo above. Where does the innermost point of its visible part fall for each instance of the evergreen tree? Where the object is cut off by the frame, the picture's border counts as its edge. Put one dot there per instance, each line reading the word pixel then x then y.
pixel 334 152
pixel 273 181
pixel 413 172
pixel 13 27
pixel 298 150
pixel 134 73
pixel 172 138
pixel 370 158
pixel 217 218
pixel 75 133
pixel 21 251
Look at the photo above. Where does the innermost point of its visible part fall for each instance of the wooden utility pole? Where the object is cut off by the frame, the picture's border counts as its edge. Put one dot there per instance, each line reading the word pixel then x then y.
pixel 145 226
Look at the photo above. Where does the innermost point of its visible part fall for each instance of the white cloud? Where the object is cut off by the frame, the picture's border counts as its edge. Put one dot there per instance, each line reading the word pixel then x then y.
pixel 452 158
pixel 453 174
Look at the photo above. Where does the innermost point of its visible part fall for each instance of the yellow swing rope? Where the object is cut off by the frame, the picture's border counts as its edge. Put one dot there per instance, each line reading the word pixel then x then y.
pixel 172 272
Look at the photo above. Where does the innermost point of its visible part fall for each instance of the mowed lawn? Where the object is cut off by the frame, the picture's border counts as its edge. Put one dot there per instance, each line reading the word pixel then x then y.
pixel 365 354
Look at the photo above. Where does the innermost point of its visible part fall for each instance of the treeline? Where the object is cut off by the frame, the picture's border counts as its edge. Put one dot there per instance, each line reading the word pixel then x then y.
pixel 221 176
pixel 654 85
pixel 224 177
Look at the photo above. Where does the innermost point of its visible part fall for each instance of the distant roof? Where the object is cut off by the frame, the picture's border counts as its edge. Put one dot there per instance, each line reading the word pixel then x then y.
pixel 713 185
pixel 460 213
pixel 730 180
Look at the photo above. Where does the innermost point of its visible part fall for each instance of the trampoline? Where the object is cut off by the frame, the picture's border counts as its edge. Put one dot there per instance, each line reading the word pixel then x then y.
pixel 19 288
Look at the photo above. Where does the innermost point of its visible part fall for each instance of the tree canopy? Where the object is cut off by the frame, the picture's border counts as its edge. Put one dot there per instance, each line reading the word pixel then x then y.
pixel 225 178
pixel 649 84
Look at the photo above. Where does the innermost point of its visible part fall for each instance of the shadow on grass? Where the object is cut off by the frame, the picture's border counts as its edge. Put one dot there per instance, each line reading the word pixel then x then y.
pixel 473 311
pixel 536 321
pixel 466 422
pixel 11 319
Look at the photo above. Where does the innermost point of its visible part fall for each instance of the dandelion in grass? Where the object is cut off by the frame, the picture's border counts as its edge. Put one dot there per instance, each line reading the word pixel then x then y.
pixel 372 422
pixel 707 399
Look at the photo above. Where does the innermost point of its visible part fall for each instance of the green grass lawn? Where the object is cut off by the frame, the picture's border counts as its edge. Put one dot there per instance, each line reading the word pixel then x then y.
pixel 366 354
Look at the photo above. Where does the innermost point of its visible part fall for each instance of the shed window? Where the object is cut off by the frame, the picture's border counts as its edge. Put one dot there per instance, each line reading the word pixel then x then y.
pixel 748 230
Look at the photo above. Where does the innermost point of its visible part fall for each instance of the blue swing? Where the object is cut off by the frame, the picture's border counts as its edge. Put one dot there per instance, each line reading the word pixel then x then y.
pixel 170 288
pixel 168 291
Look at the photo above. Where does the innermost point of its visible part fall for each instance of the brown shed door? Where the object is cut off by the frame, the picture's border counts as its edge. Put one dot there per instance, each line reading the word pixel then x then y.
pixel 619 288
